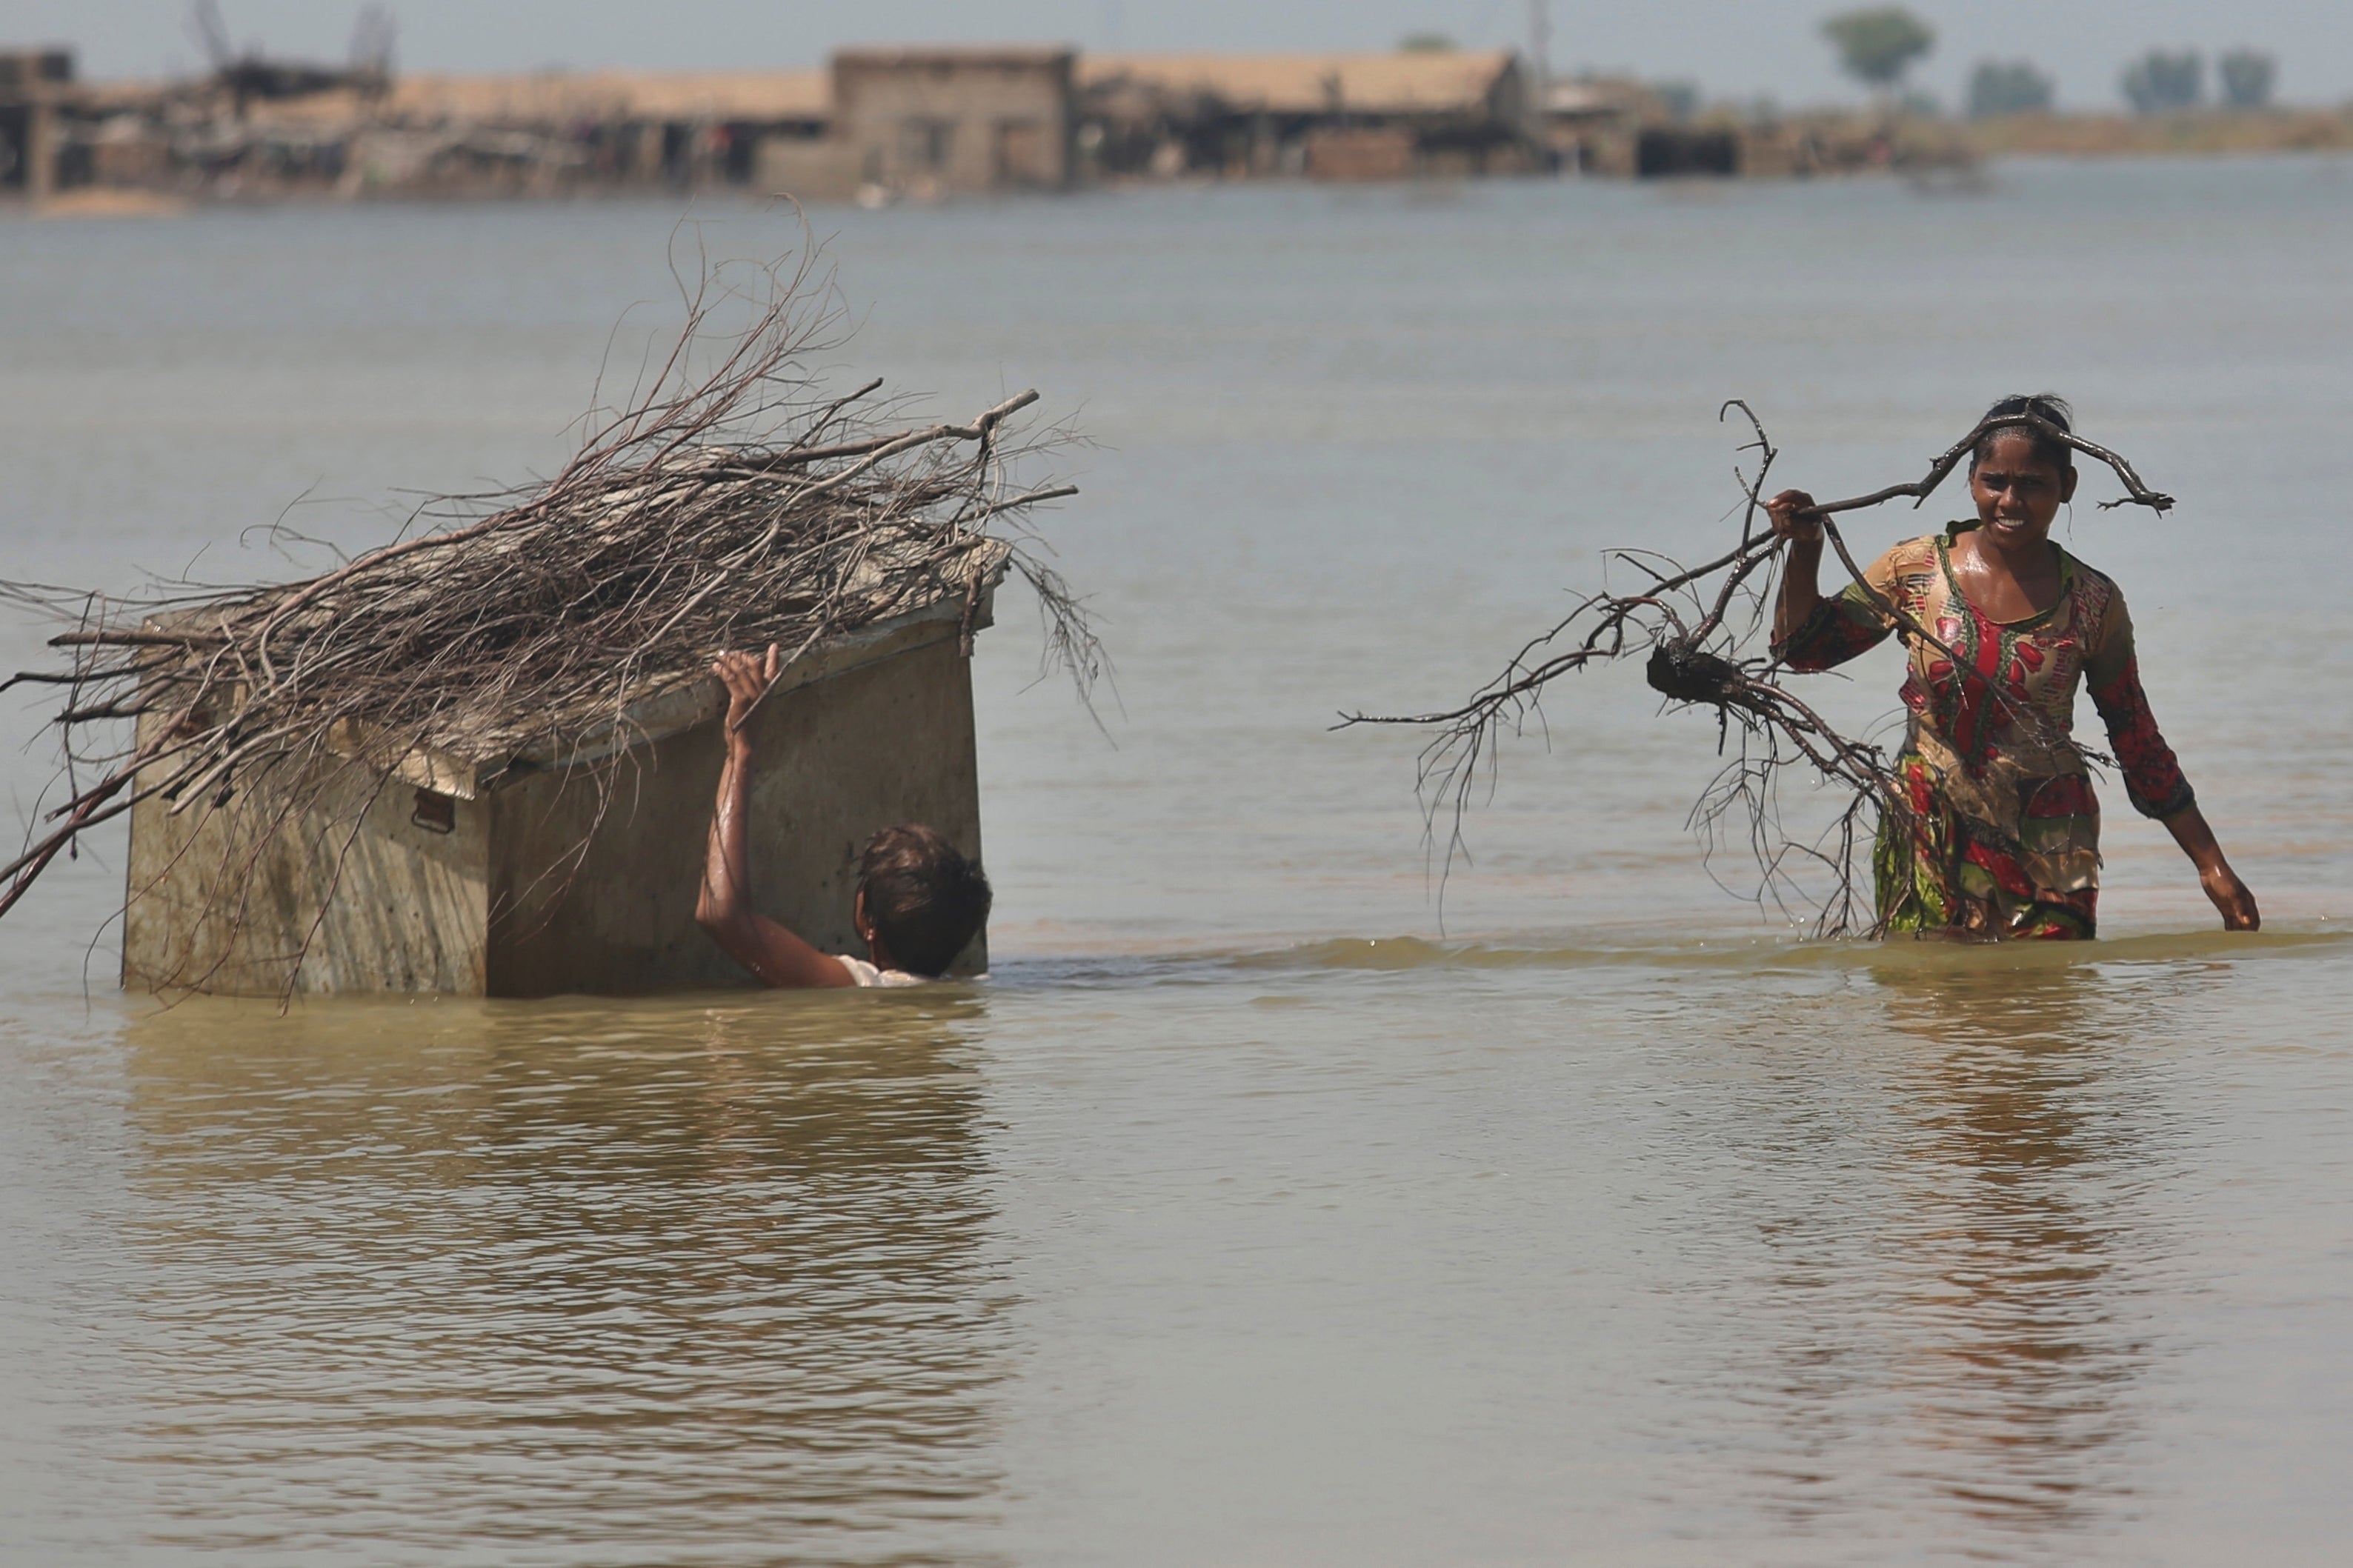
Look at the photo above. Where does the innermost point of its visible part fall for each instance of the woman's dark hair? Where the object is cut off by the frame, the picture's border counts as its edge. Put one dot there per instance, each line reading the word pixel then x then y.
pixel 2047 406
pixel 926 899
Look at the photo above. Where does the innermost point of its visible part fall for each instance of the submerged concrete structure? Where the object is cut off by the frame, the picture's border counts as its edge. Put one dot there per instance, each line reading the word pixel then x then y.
pixel 528 875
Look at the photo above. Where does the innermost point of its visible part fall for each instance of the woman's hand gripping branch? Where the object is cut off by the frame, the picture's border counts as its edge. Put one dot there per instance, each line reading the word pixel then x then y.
pixel 1799 524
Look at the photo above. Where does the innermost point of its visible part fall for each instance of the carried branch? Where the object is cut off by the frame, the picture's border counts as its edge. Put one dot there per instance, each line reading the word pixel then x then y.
pixel 1681 624
pixel 1920 489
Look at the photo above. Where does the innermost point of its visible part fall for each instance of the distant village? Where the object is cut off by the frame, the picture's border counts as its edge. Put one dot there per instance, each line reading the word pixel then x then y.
pixel 881 125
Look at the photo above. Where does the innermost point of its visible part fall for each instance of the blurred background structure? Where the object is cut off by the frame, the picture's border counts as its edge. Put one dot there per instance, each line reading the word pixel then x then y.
pixel 880 125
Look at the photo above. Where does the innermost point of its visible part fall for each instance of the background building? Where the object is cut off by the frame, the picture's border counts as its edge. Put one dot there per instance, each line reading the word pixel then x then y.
pixel 32 83
pixel 931 120
pixel 1343 116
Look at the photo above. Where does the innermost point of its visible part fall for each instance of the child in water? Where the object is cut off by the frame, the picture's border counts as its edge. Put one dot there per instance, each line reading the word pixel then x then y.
pixel 919 900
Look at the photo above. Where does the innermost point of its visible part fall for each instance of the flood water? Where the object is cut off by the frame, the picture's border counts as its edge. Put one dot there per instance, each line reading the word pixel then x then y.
pixel 1260 1208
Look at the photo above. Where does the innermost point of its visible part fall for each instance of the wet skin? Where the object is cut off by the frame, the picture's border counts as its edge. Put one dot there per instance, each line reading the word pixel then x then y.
pixel 777 956
pixel 2006 565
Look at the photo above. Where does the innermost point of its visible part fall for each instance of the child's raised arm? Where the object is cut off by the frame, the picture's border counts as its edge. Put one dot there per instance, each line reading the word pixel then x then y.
pixel 776 955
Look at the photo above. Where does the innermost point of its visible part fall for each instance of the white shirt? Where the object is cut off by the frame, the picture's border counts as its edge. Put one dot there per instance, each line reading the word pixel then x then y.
pixel 865 974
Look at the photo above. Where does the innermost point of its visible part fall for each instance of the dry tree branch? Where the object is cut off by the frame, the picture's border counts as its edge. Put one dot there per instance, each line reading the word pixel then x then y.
pixel 1920 489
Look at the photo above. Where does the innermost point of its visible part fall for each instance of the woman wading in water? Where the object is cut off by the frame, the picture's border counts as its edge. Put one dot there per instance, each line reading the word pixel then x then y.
pixel 2004 835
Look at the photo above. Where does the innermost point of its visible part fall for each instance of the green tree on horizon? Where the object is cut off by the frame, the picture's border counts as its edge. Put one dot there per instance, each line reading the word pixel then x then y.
pixel 2247 78
pixel 1426 44
pixel 1878 43
pixel 2160 82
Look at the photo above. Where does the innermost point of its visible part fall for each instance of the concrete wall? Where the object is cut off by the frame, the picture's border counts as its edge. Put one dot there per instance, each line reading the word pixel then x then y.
pixel 405 907
pixel 937 121
pixel 879 731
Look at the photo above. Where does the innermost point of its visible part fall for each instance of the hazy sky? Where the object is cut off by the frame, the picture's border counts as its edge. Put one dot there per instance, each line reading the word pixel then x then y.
pixel 1733 49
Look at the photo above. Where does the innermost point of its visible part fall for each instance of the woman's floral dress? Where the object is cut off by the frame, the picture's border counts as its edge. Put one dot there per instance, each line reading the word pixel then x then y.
pixel 2003 834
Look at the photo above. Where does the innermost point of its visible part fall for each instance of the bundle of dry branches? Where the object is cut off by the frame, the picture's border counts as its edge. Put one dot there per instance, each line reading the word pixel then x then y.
pixel 731 504
pixel 1701 628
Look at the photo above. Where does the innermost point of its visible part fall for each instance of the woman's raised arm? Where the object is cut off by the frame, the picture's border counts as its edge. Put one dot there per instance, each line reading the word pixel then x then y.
pixel 1801 565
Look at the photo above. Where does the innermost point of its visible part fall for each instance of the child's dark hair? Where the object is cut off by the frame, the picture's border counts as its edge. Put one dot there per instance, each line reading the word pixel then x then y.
pixel 2047 406
pixel 925 897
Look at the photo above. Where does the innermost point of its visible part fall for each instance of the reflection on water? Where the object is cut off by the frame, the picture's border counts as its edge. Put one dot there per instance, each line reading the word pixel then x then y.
pixel 2029 1138
pixel 1938 1200
pixel 1455 1257
pixel 716 1274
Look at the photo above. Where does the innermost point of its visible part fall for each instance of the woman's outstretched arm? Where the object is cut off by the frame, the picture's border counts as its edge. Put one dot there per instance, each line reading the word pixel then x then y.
pixel 2153 777
pixel 775 954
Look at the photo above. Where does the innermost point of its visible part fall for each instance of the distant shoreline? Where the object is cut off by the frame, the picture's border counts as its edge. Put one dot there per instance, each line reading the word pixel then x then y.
pixel 2206 135
pixel 2199 133
pixel 918 124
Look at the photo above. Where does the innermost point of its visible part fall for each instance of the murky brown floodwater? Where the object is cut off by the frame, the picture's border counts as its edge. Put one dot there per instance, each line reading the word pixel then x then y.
pixel 1225 1223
